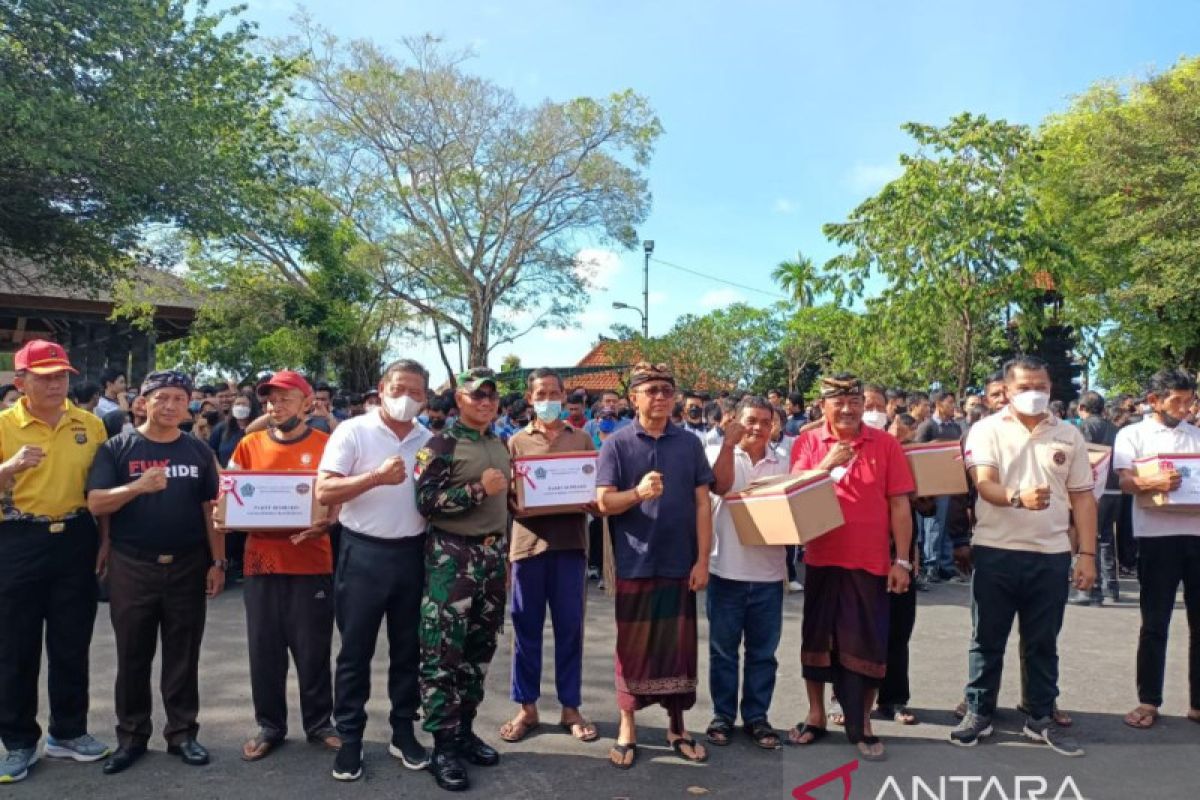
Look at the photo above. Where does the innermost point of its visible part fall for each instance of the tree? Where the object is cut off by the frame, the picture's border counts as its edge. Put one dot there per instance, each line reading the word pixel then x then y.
pixel 122 114
pixel 476 201
pixel 800 279
pixel 958 239
pixel 1122 178
pixel 804 344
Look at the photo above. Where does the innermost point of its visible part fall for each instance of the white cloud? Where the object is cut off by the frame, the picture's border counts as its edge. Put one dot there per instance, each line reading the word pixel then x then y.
pixel 784 206
pixel 596 317
pixel 719 298
pixel 870 178
pixel 597 266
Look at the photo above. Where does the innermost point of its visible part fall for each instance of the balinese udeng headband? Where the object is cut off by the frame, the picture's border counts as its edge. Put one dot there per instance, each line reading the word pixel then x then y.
pixel 166 379
pixel 644 372
pixel 840 386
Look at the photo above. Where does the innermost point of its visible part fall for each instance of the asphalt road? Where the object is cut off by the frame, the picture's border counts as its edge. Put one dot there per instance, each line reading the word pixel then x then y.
pixel 1097 659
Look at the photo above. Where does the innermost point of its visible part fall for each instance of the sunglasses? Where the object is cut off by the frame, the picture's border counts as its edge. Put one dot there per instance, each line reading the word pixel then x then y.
pixel 483 396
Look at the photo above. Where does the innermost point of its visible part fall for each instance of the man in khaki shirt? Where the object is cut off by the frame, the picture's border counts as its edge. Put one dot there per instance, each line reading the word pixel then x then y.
pixel 548 557
pixel 1032 474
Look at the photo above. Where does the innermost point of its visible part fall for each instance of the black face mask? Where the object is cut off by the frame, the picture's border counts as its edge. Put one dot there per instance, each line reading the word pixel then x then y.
pixel 694 413
pixel 288 425
pixel 625 413
pixel 437 424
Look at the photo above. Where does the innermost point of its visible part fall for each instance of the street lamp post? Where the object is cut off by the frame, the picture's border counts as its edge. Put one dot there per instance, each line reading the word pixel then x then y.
pixel 627 307
pixel 648 247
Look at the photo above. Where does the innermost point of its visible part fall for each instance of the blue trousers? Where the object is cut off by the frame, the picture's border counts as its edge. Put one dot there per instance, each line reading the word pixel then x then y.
pixel 743 611
pixel 938 551
pixel 556 579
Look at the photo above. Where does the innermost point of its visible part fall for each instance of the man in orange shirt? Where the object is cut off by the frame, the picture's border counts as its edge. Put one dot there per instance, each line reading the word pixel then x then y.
pixel 289 581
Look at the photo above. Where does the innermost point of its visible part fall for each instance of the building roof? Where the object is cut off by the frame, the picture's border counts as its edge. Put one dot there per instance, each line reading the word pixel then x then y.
pixel 594 380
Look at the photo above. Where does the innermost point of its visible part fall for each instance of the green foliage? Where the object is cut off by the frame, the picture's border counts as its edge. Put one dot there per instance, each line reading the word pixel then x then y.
pixel 957 239
pixel 1122 169
pixel 124 113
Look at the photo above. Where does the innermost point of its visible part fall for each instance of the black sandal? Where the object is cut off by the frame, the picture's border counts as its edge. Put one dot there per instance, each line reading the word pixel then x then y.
pixel 763 734
pixel 817 733
pixel 683 741
pixel 720 732
pixel 623 750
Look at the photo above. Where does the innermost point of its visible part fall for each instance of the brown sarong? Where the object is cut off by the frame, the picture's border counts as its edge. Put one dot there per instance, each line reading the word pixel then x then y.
pixel 656 644
pixel 845 620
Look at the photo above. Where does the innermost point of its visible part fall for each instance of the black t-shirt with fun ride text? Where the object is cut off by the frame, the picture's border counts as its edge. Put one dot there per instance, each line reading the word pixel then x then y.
pixel 170 521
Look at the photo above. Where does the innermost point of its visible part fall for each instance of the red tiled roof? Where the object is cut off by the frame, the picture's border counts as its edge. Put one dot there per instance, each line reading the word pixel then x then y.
pixel 596 382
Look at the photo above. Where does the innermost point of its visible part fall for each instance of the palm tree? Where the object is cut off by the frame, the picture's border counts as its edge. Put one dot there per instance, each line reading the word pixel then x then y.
pixel 799 279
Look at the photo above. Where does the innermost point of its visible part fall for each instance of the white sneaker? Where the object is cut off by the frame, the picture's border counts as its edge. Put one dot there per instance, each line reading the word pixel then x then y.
pixel 795 586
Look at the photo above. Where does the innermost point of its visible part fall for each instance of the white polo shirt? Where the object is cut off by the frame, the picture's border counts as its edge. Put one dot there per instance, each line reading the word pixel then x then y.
pixel 731 559
pixel 1150 438
pixel 1053 454
pixel 360 444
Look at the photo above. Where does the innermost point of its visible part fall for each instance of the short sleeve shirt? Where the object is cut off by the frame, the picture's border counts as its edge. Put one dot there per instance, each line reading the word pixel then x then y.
pixel 533 536
pixel 1150 438
pixel 54 488
pixel 362 444
pixel 656 538
pixel 273 553
pixel 170 521
pixel 1053 454
pixel 731 559
pixel 877 472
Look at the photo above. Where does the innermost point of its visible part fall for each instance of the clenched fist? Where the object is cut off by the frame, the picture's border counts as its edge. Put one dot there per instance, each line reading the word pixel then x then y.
pixel 494 482
pixel 1035 498
pixel 391 472
pixel 27 457
pixel 734 431
pixel 650 487
pixel 151 481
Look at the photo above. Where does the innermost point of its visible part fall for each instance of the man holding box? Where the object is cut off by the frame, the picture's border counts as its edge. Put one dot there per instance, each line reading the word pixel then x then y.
pixel 850 570
pixel 381 566
pixel 744 600
pixel 1168 540
pixel 289 582
pixel 463 477
pixel 1032 473
pixel 549 567
pixel 654 479
pixel 162 558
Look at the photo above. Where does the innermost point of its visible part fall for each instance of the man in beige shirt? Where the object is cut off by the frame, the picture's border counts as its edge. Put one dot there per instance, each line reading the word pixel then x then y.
pixel 1032 474
pixel 548 558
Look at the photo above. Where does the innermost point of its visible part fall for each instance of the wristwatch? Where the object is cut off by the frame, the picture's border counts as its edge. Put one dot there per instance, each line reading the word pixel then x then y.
pixel 1015 500
pixel 220 563
pixel 905 565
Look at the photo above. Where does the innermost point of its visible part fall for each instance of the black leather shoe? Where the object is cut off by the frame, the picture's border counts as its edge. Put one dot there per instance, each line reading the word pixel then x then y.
pixel 123 759
pixel 191 752
pixel 447 770
pixel 476 750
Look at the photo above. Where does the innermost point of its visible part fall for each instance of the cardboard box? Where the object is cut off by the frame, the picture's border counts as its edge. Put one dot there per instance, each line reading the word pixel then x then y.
pixel 1187 496
pixel 263 500
pixel 937 468
pixel 554 483
pixel 785 509
pixel 1100 457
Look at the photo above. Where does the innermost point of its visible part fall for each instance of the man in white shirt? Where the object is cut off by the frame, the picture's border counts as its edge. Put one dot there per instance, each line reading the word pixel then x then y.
pixel 1168 541
pixel 744 600
pixel 381 566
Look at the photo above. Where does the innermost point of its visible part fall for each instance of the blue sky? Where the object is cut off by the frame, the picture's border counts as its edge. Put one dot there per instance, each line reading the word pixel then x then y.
pixel 778 116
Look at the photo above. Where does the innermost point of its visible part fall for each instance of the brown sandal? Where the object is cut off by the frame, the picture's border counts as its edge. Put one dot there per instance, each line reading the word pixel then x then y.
pixel 517 729
pixel 258 747
pixel 584 731
pixel 1143 717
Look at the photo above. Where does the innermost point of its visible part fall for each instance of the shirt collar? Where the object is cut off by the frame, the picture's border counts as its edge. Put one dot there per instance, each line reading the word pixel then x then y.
pixel 532 428
pixel 669 430
pixel 379 423
pixel 770 457
pixel 25 418
pixel 865 433
pixel 1011 416
pixel 460 431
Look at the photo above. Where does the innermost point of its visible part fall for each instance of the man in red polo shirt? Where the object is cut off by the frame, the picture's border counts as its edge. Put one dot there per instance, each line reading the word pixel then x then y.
pixel 850 570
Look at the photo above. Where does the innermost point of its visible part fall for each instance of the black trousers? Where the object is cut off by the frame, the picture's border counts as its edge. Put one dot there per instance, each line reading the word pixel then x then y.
pixel 1127 544
pixel 377 579
pixel 1033 588
pixel 1163 564
pixel 290 614
pixel 47 587
pixel 147 599
pixel 894 689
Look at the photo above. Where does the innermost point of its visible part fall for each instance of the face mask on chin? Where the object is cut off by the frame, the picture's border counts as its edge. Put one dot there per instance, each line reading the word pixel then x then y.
pixel 1031 403
pixel 288 425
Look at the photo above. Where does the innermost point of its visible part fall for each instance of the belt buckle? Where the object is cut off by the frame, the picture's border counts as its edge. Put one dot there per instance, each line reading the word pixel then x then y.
pixel 166 559
pixel 58 527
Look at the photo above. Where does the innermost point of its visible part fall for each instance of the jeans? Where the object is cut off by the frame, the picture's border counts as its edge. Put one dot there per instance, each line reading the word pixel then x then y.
pixel 938 552
pixel 1108 509
pixel 1033 588
pixel 743 611
pixel 1163 563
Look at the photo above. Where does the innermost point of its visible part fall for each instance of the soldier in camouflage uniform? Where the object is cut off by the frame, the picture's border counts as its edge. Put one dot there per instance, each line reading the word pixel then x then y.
pixel 463 477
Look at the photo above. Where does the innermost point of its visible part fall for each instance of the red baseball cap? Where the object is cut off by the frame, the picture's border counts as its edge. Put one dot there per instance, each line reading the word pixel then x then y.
pixel 285 379
pixel 42 358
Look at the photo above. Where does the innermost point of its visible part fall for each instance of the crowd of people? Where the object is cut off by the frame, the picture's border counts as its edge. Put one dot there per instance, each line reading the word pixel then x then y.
pixel 423 534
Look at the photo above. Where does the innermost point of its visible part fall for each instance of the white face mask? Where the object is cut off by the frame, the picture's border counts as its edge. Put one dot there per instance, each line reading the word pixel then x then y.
pixel 401 409
pixel 241 412
pixel 1031 403
pixel 875 419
